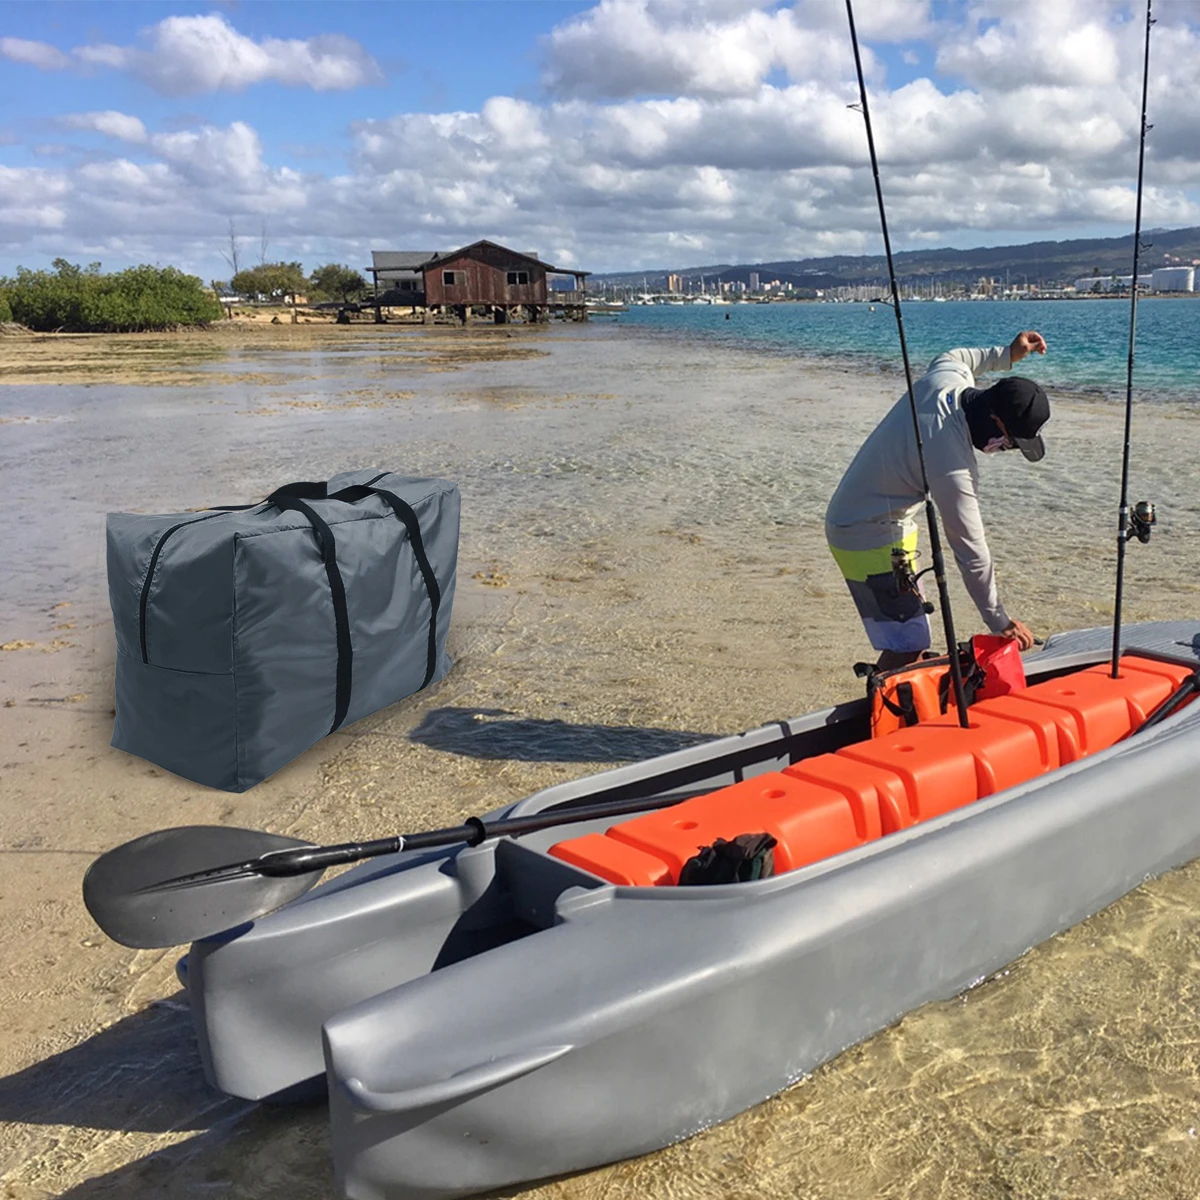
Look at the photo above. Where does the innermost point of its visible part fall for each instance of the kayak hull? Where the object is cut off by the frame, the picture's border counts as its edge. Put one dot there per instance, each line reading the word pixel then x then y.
pixel 636 1022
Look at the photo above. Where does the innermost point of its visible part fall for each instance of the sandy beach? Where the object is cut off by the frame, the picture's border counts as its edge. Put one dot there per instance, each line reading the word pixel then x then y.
pixel 642 563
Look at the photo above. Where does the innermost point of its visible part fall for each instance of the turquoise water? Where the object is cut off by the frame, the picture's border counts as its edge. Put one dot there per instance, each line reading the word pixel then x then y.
pixel 1088 340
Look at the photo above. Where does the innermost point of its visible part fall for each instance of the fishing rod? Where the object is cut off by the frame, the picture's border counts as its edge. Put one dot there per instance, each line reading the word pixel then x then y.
pixel 1140 522
pixel 935 537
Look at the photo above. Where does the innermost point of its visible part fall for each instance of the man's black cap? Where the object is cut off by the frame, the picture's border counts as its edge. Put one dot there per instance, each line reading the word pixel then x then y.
pixel 1024 408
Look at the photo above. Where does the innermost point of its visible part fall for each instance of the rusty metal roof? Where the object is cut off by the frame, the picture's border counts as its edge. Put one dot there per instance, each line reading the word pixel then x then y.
pixel 385 261
pixel 400 260
pixel 530 258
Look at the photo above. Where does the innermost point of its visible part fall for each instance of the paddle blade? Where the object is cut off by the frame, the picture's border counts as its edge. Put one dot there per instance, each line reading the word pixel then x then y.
pixel 132 897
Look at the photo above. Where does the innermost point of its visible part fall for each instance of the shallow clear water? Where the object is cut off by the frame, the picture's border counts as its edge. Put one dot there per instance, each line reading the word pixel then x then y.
pixel 1087 339
pixel 642 563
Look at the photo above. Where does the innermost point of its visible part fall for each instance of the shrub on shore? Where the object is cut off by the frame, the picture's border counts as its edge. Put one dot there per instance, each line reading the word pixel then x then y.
pixel 335 281
pixel 5 311
pixel 281 281
pixel 82 300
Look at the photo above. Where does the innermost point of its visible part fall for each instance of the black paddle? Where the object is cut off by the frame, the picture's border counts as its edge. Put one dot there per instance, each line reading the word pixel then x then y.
pixel 181 885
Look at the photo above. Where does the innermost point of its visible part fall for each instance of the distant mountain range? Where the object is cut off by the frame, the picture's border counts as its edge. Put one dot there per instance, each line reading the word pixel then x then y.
pixel 1042 263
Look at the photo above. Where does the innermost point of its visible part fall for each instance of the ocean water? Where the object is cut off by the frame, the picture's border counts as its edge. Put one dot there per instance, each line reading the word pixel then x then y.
pixel 1088 341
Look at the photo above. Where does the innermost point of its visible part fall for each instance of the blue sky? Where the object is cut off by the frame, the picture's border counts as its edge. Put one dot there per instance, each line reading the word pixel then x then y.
pixel 452 54
pixel 611 135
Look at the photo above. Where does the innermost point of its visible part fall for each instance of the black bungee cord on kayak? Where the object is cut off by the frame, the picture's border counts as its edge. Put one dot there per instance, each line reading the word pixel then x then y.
pixel 935 538
pixel 1140 522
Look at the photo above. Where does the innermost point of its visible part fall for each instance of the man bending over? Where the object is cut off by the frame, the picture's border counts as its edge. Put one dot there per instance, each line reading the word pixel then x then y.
pixel 871 522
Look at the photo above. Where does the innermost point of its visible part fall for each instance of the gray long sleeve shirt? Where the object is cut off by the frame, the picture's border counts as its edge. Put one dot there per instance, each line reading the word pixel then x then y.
pixel 877 502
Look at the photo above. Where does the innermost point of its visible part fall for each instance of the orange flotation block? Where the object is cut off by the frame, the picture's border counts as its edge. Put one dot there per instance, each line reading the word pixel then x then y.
pixel 831 803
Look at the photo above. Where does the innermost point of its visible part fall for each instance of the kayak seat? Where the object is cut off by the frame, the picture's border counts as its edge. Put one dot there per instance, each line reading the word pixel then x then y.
pixel 1174 673
pixel 1014 738
pixel 808 821
pixel 1006 753
pixel 876 794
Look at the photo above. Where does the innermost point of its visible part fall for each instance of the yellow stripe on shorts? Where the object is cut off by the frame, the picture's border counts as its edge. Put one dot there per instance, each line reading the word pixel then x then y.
pixel 857 565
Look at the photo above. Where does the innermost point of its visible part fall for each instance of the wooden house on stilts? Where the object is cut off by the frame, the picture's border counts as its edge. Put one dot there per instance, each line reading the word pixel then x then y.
pixel 482 276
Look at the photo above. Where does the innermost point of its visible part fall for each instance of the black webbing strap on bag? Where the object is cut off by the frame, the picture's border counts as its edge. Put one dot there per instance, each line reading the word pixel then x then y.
pixel 904 706
pixel 407 514
pixel 337 589
pixel 972 675
pixel 292 496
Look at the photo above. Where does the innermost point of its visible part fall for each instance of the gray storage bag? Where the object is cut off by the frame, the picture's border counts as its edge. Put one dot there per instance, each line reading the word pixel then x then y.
pixel 244 635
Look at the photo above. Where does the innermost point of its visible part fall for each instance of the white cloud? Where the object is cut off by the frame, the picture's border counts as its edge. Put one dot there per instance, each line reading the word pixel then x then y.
pixel 190 55
pixel 626 48
pixel 515 123
pixel 1065 44
pixel 217 157
pixel 203 54
pixel 35 54
pixel 112 124
pixel 33 198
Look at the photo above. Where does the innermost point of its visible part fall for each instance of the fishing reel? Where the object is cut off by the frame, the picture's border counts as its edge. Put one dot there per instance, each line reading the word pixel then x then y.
pixel 1141 522
pixel 906 578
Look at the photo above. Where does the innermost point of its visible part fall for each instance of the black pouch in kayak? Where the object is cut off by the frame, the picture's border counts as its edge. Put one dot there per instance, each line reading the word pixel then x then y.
pixel 748 856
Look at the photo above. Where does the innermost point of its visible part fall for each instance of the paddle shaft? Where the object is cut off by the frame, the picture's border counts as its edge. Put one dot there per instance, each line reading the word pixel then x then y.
pixel 301 861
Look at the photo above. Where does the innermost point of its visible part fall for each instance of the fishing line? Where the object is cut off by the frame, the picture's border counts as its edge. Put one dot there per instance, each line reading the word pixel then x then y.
pixel 935 538
pixel 1142 520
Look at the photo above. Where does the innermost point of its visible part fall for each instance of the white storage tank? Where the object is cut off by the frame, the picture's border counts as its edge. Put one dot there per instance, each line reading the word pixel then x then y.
pixel 1174 279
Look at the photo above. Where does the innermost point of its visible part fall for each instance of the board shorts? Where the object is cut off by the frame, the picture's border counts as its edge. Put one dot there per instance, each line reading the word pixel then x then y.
pixel 894 619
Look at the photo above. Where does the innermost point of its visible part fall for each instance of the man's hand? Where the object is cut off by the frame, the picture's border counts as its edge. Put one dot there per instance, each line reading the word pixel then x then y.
pixel 1019 632
pixel 1029 342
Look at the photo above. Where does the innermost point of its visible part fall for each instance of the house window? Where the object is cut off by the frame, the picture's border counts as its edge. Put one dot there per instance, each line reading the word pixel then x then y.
pixel 450 278
pixel 517 277
pixel 408 285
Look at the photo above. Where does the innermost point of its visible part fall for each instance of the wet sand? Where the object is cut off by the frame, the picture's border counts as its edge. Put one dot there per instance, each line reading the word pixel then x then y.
pixel 641 564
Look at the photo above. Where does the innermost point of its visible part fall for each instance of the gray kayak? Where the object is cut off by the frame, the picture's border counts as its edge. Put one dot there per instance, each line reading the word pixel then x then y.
pixel 493 1015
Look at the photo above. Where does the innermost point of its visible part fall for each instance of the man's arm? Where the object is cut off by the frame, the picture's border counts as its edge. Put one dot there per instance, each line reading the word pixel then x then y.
pixel 1000 358
pixel 958 506
pixel 978 362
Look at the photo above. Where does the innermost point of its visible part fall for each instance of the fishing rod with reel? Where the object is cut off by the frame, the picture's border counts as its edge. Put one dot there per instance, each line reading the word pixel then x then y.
pixel 1141 521
pixel 904 573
